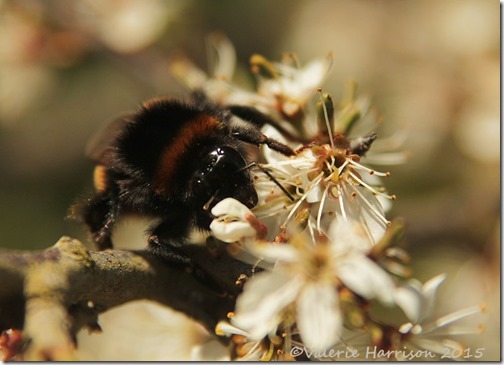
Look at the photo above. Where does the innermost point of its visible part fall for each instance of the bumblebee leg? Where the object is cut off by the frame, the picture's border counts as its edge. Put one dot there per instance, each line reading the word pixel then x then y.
pixel 100 215
pixel 166 244
pixel 168 250
pixel 253 136
pixel 199 97
pixel 259 119
pixel 166 239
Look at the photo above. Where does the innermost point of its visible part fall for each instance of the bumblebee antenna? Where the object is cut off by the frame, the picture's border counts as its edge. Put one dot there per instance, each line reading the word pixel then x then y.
pixel 263 169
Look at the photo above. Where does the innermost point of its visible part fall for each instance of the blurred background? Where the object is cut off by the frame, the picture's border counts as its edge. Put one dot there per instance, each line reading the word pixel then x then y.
pixel 432 69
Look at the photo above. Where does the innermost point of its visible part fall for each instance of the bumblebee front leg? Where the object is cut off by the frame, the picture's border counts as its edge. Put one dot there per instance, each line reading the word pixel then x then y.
pixel 253 136
pixel 259 119
pixel 166 239
pixel 166 243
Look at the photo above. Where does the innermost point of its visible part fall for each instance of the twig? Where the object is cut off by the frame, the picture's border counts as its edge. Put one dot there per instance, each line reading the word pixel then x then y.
pixel 51 294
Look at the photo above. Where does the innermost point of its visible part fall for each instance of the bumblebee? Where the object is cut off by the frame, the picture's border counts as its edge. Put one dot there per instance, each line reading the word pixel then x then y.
pixel 173 160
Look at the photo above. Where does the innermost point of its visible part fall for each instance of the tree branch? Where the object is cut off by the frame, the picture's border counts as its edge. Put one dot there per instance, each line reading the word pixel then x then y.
pixel 52 293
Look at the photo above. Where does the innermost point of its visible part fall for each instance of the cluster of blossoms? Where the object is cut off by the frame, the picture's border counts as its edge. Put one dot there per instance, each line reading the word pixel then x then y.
pixel 323 252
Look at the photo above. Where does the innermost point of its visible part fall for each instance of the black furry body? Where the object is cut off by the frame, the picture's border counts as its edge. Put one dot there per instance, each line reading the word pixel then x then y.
pixel 172 160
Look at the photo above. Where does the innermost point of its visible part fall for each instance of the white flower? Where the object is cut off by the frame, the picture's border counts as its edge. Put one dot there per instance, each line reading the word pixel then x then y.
pixel 217 84
pixel 288 87
pixel 432 336
pixel 259 309
pixel 303 288
pixel 126 26
pixel 234 221
pixel 331 180
pixel 417 300
pixel 435 336
pixel 271 348
pixel 148 331
pixel 422 339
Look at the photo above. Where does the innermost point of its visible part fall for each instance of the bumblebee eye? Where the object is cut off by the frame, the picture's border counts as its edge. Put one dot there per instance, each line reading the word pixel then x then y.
pixel 221 174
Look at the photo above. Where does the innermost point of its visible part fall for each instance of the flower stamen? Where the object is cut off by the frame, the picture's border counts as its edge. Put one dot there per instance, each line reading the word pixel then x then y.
pixel 370 188
pixel 378 215
pixel 300 201
pixel 454 317
pixel 358 166
pixel 321 208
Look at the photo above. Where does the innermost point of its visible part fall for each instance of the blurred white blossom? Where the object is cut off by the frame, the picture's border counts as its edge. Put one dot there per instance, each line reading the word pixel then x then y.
pixel 217 84
pixel 303 285
pixel 434 336
pixel 270 348
pixel 417 300
pixel 127 26
pixel 285 87
pixel 147 331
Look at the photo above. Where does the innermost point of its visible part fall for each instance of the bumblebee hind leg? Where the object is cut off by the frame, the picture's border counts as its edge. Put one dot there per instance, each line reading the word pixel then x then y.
pixel 100 215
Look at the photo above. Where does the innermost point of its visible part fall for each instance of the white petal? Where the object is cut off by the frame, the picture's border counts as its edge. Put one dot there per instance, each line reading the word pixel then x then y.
pixel 225 61
pixel 304 160
pixel 210 351
pixel 231 207
pixel 410 301
pixel 417 301
pixel 430 288
pixel 235 224
pixel 366 209
pixel 188 73
pixel 274 252
pixel 318 316
pixel 264 296
pixel 386 203
pixel 313 74
pixel 361 275
pixel 224 328
pixel 231 231
pixel 314 194
pixel 348 236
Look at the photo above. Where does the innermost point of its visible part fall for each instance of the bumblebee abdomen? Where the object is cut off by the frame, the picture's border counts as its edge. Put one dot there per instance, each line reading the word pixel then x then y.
pixel 100 178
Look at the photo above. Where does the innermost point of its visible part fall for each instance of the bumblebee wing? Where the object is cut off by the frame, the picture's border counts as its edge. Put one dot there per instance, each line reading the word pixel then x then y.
pixel 100 147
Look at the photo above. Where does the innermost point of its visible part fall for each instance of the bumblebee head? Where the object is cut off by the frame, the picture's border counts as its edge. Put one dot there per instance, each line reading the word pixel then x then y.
pixel 222 174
